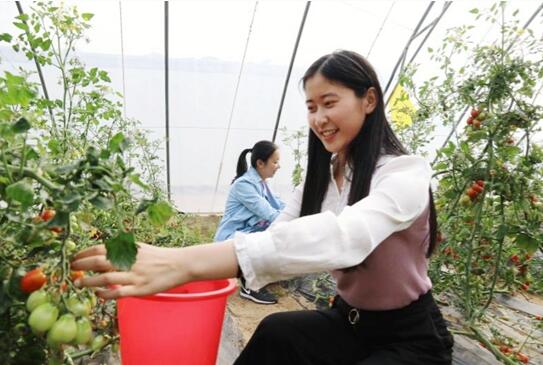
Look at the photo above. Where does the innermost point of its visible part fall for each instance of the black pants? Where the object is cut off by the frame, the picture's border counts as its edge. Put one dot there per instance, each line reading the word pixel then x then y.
pixel 413 335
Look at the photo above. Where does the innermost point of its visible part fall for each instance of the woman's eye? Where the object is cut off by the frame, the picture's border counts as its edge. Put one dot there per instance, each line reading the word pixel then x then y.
pixel 311 109
pixel 329 104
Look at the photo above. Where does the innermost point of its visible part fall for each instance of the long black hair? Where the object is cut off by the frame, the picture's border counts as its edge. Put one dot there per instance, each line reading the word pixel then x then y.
pixel 375 138
pixel 262 150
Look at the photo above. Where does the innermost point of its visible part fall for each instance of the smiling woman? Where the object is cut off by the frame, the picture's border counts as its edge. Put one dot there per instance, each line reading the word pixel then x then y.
pixel 375 234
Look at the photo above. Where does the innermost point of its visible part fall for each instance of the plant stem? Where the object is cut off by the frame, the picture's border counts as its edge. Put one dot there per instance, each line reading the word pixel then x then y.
pixel 501 238
pixel 26 172
pixel 490 346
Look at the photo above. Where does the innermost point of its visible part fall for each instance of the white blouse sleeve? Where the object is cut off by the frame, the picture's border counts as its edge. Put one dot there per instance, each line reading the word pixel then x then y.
pixel 292 208
pixel 324 241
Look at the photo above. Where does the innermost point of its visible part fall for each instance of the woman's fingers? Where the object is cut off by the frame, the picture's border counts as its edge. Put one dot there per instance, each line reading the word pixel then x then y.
pixel 97 263
pixel 91 251
pixel 121 291
pixel 107 279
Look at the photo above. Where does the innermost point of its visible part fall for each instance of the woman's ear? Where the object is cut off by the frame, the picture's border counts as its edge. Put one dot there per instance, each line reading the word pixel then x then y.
pixel 260 164
pixel 370 100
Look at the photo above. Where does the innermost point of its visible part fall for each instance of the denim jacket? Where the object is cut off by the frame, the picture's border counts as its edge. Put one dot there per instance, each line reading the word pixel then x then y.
pixel 250 207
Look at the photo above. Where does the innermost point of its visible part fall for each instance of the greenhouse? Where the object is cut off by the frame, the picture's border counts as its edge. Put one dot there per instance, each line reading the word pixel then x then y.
pixel 142 223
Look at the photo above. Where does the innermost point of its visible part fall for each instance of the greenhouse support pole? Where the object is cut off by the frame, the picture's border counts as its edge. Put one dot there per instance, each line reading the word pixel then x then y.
pixel 404 52
pixel 432 27
pixel 167 95
pixel 122 57
pixel 240 73
pixel 38 67
pixel 300 31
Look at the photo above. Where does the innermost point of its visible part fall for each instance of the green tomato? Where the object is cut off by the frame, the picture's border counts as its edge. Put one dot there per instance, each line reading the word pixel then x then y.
pixel 43 317
pixel 63 331
pixel 35 299
pixel 98 343
pixel 84 331
pixel 78 307
pixel 70 245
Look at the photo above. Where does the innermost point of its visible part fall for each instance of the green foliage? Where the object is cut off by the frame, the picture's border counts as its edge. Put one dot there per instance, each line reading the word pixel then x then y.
pixel 491 232
pixel 78 157
pixel 296 141
pixel 121 250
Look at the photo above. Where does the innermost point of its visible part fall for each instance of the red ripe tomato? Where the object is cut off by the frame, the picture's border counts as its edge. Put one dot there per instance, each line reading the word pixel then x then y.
pixel 472 193
pixel 474 113
pixel 74 275
pixel 525 286
pixel 515 259
pixel 47 215
pixel 33 280
pixel 56 229
pixel 469 121
pixel 481 183
pixel 478 188
pixel 522 357
pixel 505 349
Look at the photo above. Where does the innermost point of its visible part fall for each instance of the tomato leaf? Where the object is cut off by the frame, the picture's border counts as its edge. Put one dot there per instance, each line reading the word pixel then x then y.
pixel 21 192
pixel 87 16
pixel 159 212
pixel 135 178
pixel 102 202
pixel 21 126
pixel 527 242
pixel 118 143
pixel 60 220
pixel 144 204
pixel 6 37
pixel 122 250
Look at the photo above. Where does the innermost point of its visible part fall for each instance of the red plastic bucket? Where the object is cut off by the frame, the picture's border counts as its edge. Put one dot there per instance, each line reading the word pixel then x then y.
pixel 180 326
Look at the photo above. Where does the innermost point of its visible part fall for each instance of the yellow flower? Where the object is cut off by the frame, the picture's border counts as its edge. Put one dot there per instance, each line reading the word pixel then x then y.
pixel 401 108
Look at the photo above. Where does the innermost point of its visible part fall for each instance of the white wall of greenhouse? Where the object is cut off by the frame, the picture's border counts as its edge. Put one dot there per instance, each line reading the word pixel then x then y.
pixel 207 40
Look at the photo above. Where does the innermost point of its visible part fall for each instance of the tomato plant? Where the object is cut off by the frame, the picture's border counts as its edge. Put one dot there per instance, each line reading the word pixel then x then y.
pixel 65 183
pixel 490 168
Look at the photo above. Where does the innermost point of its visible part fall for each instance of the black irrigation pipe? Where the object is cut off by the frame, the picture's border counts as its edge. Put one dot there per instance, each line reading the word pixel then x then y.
pixel 300 31
pixel 167 93
pixel 38 67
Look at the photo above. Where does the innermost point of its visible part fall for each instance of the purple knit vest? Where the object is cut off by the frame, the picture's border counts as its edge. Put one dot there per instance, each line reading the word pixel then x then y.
pixel 394 274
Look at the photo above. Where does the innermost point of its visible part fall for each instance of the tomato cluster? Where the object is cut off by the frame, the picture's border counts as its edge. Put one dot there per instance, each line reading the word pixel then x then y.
pixel 64 320
pixel 508 351
pixel 471 194
pixel 60 317
pixel 476 118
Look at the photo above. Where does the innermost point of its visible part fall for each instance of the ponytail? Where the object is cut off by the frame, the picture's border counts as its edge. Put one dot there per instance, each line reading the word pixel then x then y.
pixel 242 163
pixel 262 150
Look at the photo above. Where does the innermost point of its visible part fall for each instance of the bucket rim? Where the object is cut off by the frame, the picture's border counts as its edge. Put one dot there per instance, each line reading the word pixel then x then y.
pixel 222 292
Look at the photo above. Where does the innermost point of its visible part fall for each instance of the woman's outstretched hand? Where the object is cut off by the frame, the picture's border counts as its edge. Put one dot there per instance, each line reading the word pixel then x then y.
pixel 156 268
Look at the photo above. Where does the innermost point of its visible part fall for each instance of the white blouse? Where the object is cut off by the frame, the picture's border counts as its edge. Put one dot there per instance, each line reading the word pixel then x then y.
pixel 340 236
